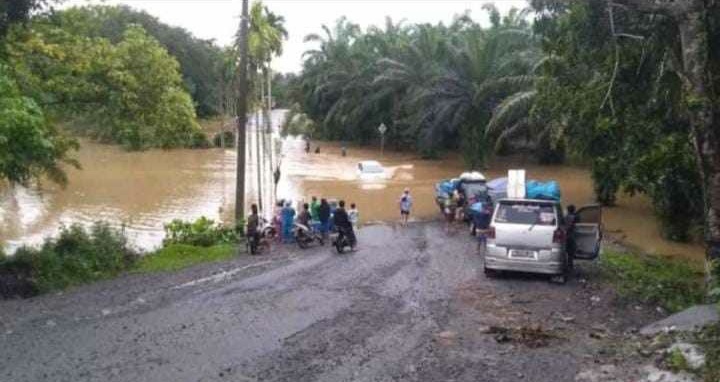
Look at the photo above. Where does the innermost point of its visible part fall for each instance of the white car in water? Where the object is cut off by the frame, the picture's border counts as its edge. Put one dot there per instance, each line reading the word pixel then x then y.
pixel 371 170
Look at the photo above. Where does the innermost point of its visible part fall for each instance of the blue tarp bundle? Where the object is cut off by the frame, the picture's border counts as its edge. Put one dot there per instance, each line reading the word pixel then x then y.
pixel 476 207
pixel 446 187
pixel 497 188
pixel 549 190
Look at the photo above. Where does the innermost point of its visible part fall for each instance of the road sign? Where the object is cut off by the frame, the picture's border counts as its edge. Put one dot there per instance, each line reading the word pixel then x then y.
pixel 382 128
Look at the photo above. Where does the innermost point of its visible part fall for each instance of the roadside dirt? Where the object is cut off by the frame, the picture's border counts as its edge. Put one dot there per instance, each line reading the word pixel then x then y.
pixel 411 305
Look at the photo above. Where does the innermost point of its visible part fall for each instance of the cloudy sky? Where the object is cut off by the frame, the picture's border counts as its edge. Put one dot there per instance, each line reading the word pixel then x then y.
pixel 218 19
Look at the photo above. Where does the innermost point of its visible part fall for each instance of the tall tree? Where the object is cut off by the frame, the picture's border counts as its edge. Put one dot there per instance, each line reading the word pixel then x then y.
pixel 30 146
pixel 691 19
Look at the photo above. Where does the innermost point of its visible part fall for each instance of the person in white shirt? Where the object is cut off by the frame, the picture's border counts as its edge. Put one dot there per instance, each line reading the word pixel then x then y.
pixel 354 215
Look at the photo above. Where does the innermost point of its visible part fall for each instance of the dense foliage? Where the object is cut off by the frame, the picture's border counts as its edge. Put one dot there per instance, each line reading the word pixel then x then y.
pixel 202 232
pixel 434 86
pixel 201 61
pixel 618 102
pixel 77 256
pixel 129 92
pixel 29 145
pixel 600 83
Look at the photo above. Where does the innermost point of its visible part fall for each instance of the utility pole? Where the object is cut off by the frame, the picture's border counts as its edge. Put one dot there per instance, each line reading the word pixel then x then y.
pixel 258 137
pixel 241 112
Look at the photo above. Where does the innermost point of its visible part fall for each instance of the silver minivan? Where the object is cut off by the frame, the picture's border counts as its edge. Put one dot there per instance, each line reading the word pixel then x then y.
pixel 529 235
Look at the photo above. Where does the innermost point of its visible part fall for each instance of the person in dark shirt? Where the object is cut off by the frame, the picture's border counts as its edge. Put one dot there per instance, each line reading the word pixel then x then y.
pixel 253 224
pixel 571 218
pixel 324 216
pixel 304 217
pixel 342 221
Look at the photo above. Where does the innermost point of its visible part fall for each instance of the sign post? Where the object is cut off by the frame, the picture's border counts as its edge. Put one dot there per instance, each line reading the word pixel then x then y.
pixel 382 129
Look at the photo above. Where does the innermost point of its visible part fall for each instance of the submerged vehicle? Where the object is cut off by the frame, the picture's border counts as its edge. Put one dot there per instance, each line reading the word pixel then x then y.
pixel 530 235
pixel 371 170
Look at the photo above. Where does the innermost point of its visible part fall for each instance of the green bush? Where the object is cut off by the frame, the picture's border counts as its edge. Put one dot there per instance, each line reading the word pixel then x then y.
pixel 670 283
pixel 77 256
pixel 202 232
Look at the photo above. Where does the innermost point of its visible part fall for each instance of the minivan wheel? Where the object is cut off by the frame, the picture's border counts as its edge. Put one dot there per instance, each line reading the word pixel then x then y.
pixel 490 273
pixel 559 279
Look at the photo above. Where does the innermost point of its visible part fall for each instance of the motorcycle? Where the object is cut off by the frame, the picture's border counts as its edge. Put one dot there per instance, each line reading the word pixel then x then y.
pixel 266 233
pixel 341 241
pixel 304 236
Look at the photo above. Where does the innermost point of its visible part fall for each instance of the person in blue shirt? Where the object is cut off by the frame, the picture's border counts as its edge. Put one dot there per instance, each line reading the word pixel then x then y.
pixel 288 215
pixel 405 206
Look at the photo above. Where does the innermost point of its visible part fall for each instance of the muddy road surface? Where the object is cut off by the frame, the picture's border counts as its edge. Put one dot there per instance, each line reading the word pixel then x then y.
pixel 411 305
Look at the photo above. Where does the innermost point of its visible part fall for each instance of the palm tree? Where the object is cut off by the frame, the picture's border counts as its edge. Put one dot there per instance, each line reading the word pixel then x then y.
pixel 265 40
pixel 482 69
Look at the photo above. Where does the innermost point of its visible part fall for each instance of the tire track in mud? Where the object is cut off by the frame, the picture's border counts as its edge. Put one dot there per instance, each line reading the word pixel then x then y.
pixel 388 319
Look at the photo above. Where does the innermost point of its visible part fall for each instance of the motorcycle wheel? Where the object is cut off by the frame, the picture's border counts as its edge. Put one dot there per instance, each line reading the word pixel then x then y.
pixel 301 241
pixel 339 246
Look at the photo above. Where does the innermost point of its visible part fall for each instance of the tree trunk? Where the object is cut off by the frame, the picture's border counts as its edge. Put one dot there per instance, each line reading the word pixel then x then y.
pixel 698 98
pixel 241 117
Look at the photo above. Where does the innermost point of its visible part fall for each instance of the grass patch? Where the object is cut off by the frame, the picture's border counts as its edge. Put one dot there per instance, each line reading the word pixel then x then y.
pixel 177 256
pixel 676 361
pixel 709 340
pixel 669 283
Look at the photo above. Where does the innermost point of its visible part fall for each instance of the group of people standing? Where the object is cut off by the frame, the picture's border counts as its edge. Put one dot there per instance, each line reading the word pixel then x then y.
pixel 318 215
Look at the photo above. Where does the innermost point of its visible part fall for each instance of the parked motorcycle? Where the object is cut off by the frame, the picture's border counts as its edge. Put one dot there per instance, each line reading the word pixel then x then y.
pixel 266 233
pixel 304 236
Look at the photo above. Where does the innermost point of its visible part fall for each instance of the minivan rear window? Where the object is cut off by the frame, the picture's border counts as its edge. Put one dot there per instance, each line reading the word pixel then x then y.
pixel 526 213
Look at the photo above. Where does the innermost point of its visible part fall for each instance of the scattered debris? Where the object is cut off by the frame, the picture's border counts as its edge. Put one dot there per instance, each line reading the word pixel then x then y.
pixel 531 336
pixel 653 374
pixel 605 373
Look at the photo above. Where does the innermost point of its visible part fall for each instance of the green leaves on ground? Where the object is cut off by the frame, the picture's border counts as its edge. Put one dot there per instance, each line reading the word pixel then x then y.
pixel 670 283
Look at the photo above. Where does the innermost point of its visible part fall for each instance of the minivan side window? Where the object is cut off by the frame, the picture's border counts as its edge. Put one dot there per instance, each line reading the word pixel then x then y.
pixel 526 213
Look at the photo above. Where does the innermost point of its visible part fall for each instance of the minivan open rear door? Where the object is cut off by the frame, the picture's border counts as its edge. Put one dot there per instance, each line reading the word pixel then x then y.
pixel 588 232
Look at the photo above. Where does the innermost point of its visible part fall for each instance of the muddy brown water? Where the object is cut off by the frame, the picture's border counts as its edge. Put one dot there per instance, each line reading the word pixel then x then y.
pixel 143 190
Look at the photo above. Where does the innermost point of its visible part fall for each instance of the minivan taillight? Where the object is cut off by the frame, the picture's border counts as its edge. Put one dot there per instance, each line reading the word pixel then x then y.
pixel 559 236
pixel 491 232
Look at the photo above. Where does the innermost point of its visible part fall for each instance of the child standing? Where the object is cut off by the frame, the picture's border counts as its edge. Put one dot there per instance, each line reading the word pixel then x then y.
pixel 354 215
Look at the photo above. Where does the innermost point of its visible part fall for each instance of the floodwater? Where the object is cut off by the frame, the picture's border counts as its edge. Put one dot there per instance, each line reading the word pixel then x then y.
pixel 143 190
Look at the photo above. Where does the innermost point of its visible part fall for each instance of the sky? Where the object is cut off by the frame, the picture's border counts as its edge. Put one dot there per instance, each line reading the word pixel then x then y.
pixel 218 19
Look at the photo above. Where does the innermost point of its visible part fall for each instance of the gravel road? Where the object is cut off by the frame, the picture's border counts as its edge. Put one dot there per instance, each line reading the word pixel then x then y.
pixel 411 305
